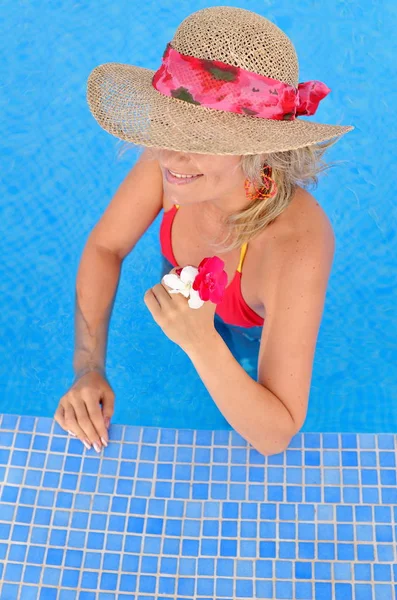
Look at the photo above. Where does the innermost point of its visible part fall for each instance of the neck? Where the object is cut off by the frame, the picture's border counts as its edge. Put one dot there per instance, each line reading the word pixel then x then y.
pixel 218 210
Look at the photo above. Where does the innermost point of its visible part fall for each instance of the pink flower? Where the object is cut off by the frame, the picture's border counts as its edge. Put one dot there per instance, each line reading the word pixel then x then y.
pixel 211 279
pixel 198 285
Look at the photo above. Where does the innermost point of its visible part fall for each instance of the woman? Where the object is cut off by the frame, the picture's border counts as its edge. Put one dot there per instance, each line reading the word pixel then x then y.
pixel 226 152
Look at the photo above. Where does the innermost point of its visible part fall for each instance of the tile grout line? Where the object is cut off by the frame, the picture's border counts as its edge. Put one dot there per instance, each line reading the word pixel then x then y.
pixel 185 510
pixel 85 550
pixel 163 516
pixel 6 474
pixel 136 480
pixel 74 492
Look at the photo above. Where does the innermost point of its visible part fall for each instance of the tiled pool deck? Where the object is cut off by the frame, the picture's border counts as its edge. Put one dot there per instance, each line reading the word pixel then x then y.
pixel 182 514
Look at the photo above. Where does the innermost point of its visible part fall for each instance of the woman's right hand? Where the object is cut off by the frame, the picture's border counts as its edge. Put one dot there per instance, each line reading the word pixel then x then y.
pixel 80 413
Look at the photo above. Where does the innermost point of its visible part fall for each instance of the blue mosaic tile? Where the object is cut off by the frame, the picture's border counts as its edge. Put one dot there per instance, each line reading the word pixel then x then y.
pixel 195 514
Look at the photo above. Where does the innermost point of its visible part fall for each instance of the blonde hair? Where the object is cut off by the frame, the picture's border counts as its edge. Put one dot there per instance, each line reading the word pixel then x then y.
pixel 289 169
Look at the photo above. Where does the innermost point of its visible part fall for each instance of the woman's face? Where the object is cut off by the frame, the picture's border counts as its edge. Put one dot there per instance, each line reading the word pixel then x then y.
pixel 221 181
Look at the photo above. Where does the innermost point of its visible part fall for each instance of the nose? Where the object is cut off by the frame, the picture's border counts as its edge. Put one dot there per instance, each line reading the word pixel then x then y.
pixel 174 156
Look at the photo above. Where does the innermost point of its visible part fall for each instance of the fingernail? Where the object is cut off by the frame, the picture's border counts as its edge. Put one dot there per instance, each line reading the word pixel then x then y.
pixel 107 422
pixel 87 444
pixel 71 433
pixel 104 442
pixel 96 446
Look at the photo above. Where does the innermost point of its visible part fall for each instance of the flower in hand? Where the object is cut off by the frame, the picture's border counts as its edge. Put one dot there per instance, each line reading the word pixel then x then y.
pixel 208 282
pixel 171 301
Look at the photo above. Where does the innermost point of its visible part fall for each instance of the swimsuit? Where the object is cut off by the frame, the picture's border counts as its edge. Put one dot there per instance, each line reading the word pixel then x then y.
pixel 233 309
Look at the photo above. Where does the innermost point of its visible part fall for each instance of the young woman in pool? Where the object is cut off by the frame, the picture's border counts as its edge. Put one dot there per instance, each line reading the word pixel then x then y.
pixel 225 154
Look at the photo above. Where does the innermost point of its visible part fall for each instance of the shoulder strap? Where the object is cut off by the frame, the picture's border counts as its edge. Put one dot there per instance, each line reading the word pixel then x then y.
pixel 242 256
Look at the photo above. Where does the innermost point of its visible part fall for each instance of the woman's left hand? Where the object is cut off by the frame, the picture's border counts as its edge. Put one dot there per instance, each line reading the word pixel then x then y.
pixel 190 328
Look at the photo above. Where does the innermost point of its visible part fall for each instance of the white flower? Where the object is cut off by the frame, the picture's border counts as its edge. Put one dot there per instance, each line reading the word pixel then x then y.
pixel 182 284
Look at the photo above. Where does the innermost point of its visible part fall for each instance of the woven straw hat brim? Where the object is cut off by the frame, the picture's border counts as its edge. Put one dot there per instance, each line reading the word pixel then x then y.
pixel 125 104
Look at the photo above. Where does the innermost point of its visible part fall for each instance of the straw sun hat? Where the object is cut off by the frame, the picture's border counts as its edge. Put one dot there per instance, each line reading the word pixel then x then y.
pixel 228 84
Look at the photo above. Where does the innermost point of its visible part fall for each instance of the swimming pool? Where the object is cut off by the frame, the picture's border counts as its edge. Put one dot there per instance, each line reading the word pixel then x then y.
pixel 180 506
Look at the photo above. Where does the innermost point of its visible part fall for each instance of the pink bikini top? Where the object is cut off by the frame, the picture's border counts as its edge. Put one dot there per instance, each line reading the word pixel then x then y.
pixel 233 309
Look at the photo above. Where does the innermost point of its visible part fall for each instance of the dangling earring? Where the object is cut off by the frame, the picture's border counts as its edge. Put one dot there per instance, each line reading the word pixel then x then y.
pixel 269 188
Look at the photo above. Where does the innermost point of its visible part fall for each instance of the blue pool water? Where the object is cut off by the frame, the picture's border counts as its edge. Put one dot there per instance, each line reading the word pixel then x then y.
pixel 179 506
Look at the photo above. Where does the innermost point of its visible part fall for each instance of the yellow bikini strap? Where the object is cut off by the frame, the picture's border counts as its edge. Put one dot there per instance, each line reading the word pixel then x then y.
pixel 242 256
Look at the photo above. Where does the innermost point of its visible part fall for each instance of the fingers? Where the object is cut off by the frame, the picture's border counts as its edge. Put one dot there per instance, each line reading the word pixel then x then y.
pixel 107 407
pixel 66 418
pixel 96 419
pixel 85 410
pixel 73 416
pixel 85 424
pixel 73 426
pixel 59 416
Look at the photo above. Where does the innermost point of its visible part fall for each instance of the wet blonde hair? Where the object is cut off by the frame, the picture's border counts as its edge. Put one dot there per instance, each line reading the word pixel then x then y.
pixel 289 169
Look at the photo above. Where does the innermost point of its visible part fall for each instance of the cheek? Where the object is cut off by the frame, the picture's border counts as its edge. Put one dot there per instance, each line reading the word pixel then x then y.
pixel 224 180
pixel 214 182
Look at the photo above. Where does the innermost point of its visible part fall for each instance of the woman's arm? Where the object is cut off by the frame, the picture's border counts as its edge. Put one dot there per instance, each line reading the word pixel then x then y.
pixel 86 408
pixel 134 207
pixel 269 412
pixel 96 286
pixel 251 409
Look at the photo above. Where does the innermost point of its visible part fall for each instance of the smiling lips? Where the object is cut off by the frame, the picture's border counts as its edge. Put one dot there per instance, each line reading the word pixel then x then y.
pixel 184 174
pixel 179 178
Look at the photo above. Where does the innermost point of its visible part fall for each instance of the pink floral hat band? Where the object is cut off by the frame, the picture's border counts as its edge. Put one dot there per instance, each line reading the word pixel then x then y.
pixel 214 84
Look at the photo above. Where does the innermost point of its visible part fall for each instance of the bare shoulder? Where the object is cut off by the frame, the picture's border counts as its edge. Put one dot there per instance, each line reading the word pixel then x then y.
pixel 301 238
pixel 309 220
pixel 303 222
